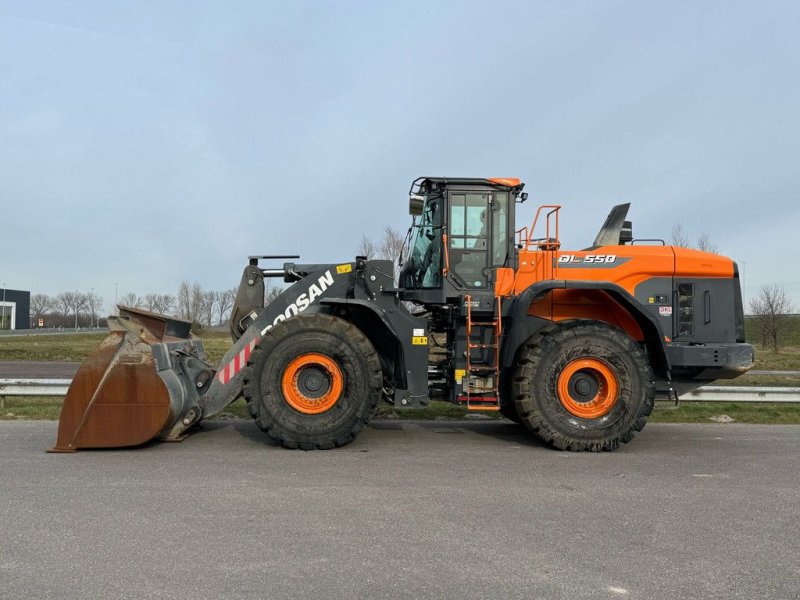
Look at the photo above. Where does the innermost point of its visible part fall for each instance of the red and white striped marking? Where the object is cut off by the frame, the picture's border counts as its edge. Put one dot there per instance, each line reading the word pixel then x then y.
pixel 237 363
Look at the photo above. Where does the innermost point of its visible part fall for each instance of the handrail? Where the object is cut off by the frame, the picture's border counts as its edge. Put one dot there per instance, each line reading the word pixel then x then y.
pixel 446 269
pixel 553 210
pixel 542 259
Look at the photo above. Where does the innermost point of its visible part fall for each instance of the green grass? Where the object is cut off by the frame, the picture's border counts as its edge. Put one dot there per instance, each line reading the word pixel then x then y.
pixel 701 412
pixel 76 347
pixel 760 381
pixel 788 359
pixel 216 344
pixel 31 408
pixel 57 348
pixel 791 339
pixel 49 408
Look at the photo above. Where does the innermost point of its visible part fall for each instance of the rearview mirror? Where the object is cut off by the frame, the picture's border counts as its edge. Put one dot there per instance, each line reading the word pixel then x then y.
pixel 415 204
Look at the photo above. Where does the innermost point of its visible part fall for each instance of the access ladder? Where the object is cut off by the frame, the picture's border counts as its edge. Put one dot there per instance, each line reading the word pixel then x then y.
pixel 485 399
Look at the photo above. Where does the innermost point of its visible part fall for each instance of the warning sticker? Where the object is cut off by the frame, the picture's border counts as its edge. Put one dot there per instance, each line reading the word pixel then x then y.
pixel 460 375
pixel 419 340
pixel 344 268
pixel 665 311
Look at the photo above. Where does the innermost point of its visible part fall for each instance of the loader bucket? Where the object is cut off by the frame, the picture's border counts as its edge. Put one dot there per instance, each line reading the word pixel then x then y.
pixel 117 397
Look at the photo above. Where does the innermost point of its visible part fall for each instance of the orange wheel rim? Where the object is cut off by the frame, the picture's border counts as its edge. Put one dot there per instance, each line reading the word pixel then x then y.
pixel 312 383
pixel 588 388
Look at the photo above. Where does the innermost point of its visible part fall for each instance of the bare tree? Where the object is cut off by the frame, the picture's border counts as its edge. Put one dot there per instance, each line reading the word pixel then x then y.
pixel 209 303
pixel 704 244
pixel 165 303
pixel 150 302
pixel 185 301
pixel 131 299
pixel 679 237
pixel 191 302
pixel 391 244
pixel 160 303
pixel 771 308
pixel 366 247
pixel 225 304
pixel 196 302
pixel 93 303
pixel 271 291
pixel 41 304
pixel 78 304
pixel 64 303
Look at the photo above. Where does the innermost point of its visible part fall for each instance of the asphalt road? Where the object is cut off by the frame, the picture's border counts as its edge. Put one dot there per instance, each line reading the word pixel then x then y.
pixel 409 510
pixel 37 370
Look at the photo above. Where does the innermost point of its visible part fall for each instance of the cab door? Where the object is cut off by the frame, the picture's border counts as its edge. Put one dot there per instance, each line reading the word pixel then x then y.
pixel 478 239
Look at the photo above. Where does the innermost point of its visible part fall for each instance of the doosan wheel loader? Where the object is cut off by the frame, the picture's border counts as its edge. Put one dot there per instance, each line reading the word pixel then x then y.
pixel 572 344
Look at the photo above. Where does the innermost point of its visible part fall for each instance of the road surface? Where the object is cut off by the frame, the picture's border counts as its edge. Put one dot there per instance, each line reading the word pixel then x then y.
pixel 18 369
pixel 409 510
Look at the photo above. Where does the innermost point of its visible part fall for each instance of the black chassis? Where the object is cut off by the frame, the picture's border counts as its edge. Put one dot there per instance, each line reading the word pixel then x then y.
pixel 361 292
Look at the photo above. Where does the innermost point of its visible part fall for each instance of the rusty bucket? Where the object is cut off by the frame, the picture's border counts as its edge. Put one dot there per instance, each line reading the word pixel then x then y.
pixel 117 397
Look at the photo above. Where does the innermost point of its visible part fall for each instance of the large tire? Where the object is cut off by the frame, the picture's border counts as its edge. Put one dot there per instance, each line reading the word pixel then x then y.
pixel 313 382
pixel 508 406
pixel 583 386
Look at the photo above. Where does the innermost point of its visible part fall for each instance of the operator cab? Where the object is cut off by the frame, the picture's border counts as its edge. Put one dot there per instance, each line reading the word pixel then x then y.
pixel 462 231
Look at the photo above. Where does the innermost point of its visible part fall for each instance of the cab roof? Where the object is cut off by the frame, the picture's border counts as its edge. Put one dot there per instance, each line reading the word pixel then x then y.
pixel 514 183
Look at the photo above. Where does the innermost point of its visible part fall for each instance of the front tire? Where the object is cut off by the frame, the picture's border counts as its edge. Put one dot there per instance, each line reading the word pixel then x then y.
pixel 583 386
pixel 313 382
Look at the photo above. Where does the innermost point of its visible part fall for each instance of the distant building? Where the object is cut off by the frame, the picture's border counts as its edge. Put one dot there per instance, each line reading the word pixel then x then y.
pixel 15 308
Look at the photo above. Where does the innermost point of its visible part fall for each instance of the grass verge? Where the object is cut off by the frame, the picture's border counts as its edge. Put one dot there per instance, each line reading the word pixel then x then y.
pixel 53 348
pixel 759 381
pixel 788 359
pixel 767 413
pixel 49 408
pixel 76 347
pixel 31 408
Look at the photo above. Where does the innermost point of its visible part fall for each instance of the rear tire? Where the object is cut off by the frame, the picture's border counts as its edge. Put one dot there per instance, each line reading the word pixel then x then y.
pixel 583 386
pixel 313 382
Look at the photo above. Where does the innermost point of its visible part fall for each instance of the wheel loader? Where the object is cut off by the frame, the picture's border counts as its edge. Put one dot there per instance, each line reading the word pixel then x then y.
pixel 572 344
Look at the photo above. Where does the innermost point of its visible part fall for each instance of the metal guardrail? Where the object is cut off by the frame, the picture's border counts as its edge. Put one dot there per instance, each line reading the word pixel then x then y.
pixel 32 387
pixel 724 393
pixel 709 393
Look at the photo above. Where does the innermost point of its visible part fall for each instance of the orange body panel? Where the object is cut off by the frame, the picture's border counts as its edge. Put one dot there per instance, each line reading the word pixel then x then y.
pixel 634 265
pixel 627 267
pixel 504 282
pixel 509 181
pixel 694 263
pixel 560 305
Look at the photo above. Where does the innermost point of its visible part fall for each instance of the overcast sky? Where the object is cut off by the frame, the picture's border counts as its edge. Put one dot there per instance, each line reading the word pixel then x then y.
pixel 146 143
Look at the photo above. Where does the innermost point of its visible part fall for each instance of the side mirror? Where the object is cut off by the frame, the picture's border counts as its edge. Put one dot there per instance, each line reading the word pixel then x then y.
pixel 415 204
